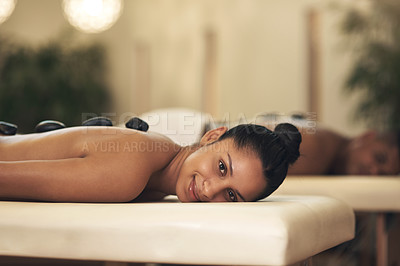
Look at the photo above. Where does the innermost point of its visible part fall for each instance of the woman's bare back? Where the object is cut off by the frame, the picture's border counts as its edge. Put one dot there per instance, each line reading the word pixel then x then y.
pixel 93 164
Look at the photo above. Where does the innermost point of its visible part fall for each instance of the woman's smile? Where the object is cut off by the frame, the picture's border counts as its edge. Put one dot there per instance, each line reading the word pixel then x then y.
pixel 193 190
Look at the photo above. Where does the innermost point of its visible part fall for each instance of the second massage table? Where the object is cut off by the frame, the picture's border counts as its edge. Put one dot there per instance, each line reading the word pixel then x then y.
pixel 374 194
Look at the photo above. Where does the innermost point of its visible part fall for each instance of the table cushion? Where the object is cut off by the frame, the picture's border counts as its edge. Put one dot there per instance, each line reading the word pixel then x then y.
pixel 277 231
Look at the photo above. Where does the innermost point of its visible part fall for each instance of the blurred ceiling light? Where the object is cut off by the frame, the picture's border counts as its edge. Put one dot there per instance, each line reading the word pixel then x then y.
pixel 6 8
pixel 92 16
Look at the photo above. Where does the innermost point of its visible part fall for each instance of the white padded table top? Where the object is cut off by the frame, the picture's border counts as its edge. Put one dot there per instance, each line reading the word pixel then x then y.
pixel 278 231
pixel 362 193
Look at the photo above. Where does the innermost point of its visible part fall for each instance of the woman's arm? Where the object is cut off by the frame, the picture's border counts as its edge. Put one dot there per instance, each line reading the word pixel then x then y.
pixel 89 179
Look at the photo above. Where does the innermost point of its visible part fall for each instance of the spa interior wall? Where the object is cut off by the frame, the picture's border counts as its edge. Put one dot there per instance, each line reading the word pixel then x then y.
pixel 250 55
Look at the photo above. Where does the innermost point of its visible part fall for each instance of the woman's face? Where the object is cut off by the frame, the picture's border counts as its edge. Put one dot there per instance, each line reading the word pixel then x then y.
pixel 220 172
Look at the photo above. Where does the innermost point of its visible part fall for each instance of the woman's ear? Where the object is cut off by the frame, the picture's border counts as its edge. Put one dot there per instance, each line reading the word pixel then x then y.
pixel 213 135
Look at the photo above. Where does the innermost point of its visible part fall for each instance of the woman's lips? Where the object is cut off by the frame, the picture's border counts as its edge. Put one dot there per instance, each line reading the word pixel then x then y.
pixel 193 190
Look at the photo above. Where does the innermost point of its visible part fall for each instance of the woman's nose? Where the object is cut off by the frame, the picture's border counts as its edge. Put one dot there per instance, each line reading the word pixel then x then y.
pixel 213 188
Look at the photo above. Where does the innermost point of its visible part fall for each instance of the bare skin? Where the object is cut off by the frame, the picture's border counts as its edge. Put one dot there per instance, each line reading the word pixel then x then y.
pixel 319 153
pixel 107 164
pixel 75 164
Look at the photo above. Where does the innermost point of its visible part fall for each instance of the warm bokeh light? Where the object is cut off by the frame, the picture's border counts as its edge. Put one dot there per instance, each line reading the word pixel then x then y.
pixel 92 16
pixel 6 8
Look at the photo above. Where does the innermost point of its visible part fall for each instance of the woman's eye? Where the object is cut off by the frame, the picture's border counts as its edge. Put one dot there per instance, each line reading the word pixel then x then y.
pixel 232 195
pixel 222 167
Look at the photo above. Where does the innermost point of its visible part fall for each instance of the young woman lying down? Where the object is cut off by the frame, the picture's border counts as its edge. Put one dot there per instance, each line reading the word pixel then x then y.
pixel 109 164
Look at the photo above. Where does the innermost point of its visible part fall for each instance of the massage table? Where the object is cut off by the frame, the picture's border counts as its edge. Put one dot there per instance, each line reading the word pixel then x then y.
pixel 280 230
pixel 374 194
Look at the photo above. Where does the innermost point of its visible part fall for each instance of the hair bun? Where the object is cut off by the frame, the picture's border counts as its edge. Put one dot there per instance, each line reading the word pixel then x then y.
pixel 291 138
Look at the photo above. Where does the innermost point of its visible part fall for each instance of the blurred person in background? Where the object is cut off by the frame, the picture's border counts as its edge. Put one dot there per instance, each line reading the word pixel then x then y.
pixel 326 152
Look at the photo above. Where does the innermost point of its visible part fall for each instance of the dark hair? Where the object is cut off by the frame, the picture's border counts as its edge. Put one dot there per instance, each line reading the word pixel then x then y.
pixel 277 149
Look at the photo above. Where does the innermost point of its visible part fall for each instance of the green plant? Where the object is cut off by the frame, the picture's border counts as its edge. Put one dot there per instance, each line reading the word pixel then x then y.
pixel 57 80
pixel 374 31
